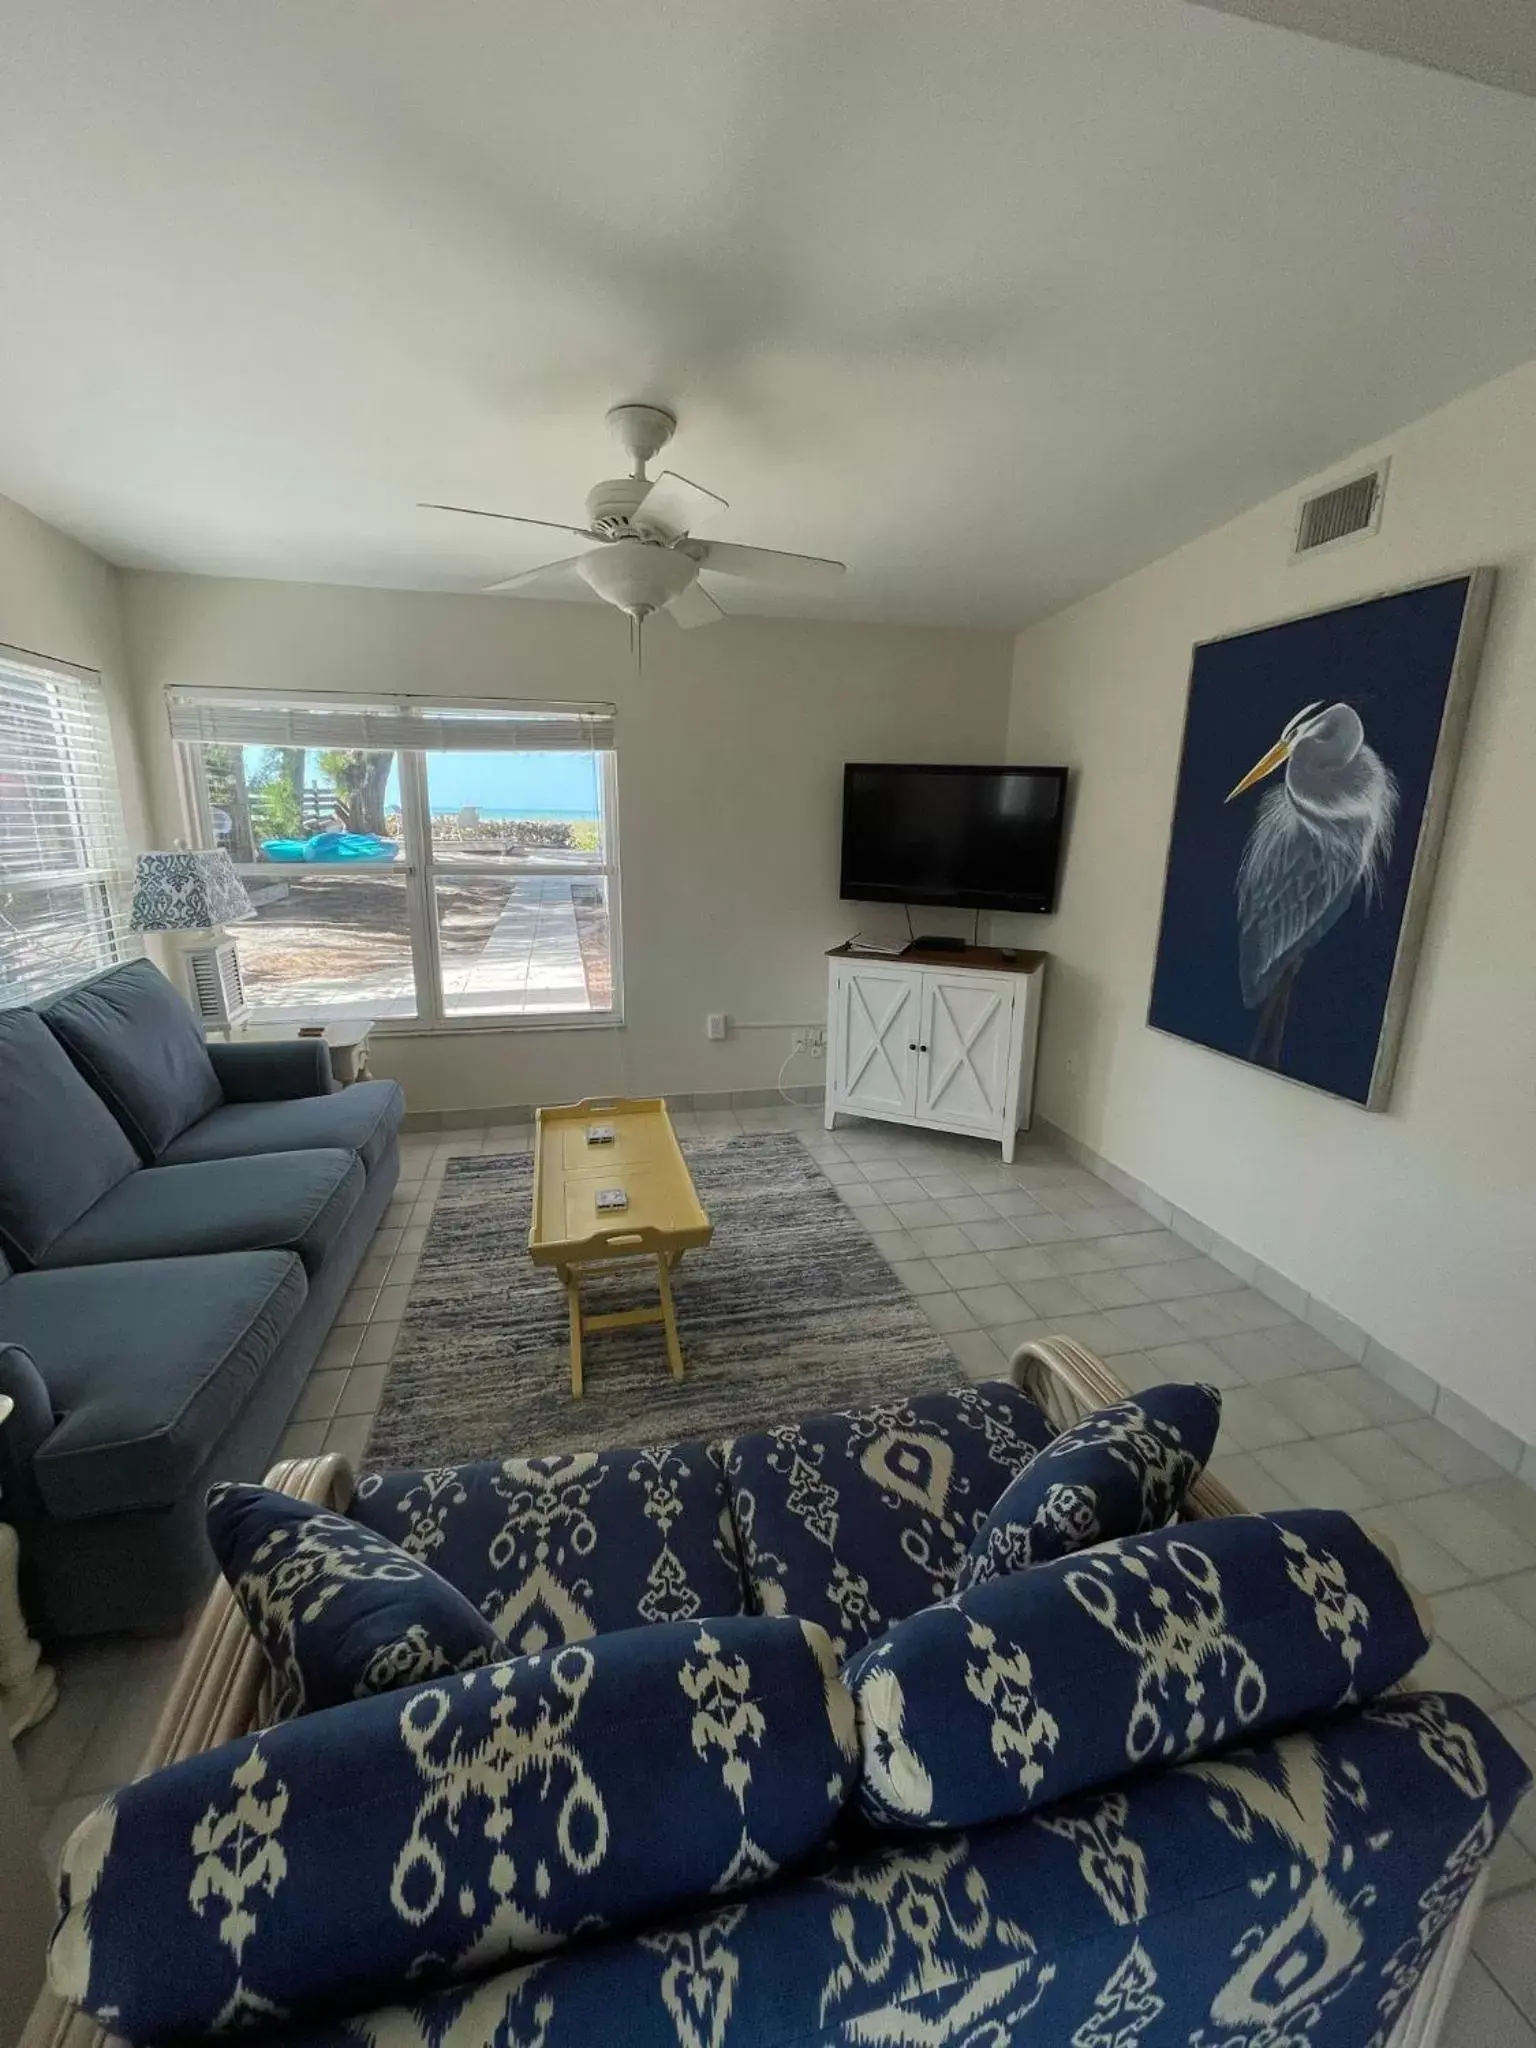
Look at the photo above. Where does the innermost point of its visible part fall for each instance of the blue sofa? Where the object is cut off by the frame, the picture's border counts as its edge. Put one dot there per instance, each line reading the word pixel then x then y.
pixel 649 1824
pixel 178 1225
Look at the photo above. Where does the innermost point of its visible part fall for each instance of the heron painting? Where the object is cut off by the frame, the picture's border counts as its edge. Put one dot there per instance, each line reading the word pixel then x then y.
pixel 1315 773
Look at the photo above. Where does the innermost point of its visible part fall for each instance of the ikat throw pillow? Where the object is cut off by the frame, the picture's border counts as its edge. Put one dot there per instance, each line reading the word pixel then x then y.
pixel 1148 1651
pixel 1119 1471
pixel 424 1837
pixel 339 1611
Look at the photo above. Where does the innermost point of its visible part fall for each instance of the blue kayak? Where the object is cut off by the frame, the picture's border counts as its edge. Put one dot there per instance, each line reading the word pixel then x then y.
pixel 331 846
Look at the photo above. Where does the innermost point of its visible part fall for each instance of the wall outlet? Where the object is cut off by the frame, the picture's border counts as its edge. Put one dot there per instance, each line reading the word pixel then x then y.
pixel 714 1024
pixel 812 1041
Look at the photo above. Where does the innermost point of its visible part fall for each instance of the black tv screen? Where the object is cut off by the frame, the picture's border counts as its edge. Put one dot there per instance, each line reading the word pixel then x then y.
pixel 978 838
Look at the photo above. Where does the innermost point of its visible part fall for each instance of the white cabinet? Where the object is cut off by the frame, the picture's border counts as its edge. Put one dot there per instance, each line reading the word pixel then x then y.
pixel 944 1046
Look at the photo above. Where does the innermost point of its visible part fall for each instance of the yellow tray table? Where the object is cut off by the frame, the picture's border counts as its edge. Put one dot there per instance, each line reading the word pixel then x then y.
pixel 663 1218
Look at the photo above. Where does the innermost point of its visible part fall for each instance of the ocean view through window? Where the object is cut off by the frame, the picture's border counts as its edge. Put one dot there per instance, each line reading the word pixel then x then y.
pixel 438 884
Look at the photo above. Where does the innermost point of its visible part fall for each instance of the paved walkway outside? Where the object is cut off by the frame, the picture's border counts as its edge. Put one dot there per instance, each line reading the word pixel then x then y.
pixel 532 960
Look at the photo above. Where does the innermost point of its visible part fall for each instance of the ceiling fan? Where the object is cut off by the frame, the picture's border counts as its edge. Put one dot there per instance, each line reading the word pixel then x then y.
pixel 646 558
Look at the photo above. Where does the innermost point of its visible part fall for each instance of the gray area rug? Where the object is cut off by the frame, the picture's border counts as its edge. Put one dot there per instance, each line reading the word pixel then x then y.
pixel 791 1309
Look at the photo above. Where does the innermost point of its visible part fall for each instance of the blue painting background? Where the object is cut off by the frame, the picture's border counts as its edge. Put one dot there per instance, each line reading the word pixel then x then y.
pixel 1390 658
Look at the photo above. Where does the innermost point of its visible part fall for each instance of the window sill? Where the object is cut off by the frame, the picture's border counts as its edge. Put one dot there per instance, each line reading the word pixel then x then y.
pixel 460 1027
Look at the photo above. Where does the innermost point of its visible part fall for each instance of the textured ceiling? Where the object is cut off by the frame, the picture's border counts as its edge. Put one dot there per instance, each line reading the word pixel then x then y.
pixel 994 301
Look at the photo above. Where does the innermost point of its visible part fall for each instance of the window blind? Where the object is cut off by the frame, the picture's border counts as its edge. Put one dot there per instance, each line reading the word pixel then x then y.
pixel 63 850
pixel 387 725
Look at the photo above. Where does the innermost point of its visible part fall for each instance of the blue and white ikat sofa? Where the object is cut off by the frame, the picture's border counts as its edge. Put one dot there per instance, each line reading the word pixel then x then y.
pixel 756 1775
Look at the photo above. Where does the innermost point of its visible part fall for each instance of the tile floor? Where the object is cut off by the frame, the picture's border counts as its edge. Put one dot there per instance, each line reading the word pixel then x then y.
pixel 996 1255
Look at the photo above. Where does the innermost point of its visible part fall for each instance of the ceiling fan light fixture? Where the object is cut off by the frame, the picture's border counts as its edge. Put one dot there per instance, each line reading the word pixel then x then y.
pixel 636 576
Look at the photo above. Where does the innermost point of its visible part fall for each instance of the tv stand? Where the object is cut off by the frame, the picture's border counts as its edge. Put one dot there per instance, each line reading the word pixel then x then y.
pixel 939 942
pixel 941 1038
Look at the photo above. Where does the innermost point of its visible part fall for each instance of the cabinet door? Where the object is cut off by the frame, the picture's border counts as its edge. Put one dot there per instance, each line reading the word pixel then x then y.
pixel 963 1068
pixel 876 1063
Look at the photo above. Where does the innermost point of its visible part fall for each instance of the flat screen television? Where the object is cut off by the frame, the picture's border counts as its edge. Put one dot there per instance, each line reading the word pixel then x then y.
pixel 977 838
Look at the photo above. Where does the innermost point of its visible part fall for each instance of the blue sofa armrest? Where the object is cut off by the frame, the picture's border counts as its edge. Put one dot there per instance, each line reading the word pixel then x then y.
pixel 29 1427
pixel 272 1069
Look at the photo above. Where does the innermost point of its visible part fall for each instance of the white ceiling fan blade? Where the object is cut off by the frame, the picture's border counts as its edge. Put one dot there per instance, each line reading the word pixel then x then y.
pixel 517 519
pixel 695 607
pixel 768 565
pixel 528 576
pixel 673 506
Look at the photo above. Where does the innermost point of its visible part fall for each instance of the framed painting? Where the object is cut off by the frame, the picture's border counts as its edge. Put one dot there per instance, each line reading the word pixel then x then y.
pixel 1313 784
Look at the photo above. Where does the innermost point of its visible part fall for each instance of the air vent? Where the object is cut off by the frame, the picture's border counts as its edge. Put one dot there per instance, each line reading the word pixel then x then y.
pixel 1341 512
pixel 216 986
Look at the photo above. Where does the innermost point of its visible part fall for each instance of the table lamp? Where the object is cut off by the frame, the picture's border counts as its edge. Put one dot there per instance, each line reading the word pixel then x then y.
pixel 190 890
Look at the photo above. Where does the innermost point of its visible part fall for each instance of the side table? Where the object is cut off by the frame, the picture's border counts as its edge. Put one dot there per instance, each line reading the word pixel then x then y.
pixel 28 1688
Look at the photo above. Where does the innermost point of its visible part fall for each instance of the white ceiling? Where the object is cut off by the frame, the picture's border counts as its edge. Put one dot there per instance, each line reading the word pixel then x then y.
pixel 995 300
pixel 1491 40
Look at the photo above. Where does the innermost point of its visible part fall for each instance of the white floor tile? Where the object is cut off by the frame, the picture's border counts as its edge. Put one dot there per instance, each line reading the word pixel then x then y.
pixel 1480 2015
pixel 1505 1940
pixel 1318 1404
pixel 1387 1468
pixel 1457 1462
pixel 919 1276
pixel 994 1305
pixel 1459 1523
pixel 947 1312
pixel 1491 1637
pixel 979 1357
pixel 1428 1567
pixel 1310 1471
pixel 1256 1488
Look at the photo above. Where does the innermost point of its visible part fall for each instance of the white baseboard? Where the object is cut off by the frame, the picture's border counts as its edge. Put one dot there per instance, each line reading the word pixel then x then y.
pixel 1507 1450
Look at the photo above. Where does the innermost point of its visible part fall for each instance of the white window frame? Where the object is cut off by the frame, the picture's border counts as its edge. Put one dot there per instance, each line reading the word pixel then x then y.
pixel 105 834
pixel 418 865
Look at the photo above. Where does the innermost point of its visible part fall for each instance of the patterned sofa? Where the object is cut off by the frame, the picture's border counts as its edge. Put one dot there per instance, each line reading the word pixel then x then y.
pixel 1312 1887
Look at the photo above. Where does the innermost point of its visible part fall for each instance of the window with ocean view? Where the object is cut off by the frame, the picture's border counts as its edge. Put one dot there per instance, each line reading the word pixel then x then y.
pixel 441 883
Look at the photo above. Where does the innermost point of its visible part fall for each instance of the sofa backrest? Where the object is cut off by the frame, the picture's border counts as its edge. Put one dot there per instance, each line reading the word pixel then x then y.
pixel 61 1148
pixel 137 1043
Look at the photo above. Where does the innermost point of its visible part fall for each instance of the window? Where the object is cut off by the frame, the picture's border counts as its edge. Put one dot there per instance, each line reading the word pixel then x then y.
pixel 64 866
pixel 412 859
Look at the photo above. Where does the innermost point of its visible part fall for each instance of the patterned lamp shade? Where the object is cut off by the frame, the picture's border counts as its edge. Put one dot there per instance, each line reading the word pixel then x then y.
pixel 186 892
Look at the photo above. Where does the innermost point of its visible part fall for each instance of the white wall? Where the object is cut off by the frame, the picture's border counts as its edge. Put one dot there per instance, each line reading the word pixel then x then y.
pixel 1420 1224
pixel 58 599
pixel 731 746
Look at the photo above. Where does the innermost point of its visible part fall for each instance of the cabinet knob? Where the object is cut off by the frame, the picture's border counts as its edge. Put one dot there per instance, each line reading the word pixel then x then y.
pixel 912 1045
pixel 922 1048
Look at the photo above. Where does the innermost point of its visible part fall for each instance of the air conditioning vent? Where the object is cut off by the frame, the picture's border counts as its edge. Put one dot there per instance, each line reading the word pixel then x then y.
pixel 215 985
pixel 1342 511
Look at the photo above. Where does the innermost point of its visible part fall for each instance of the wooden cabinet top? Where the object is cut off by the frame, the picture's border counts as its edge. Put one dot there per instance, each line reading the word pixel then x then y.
pixel 985 959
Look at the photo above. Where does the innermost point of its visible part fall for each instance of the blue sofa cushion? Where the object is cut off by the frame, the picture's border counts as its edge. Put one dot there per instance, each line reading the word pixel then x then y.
pixel 339 1611
pixel 147 1364
pixel 1117 1472
pixel 553 1550
pixel 1287 1896
pixel 60 1146
pixel 429 1834
pixel 360 1119
pixel 1145 1651
pixel 279 1201
pixel 138 1044
pixel 855 1520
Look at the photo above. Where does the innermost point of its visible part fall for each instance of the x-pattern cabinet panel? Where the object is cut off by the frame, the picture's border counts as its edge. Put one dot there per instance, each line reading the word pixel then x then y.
pixel 947 1046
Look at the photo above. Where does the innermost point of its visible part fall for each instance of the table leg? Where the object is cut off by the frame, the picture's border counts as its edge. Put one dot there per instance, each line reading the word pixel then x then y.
pixel 573 1301
pixel 28 1688
pixel 669 1315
